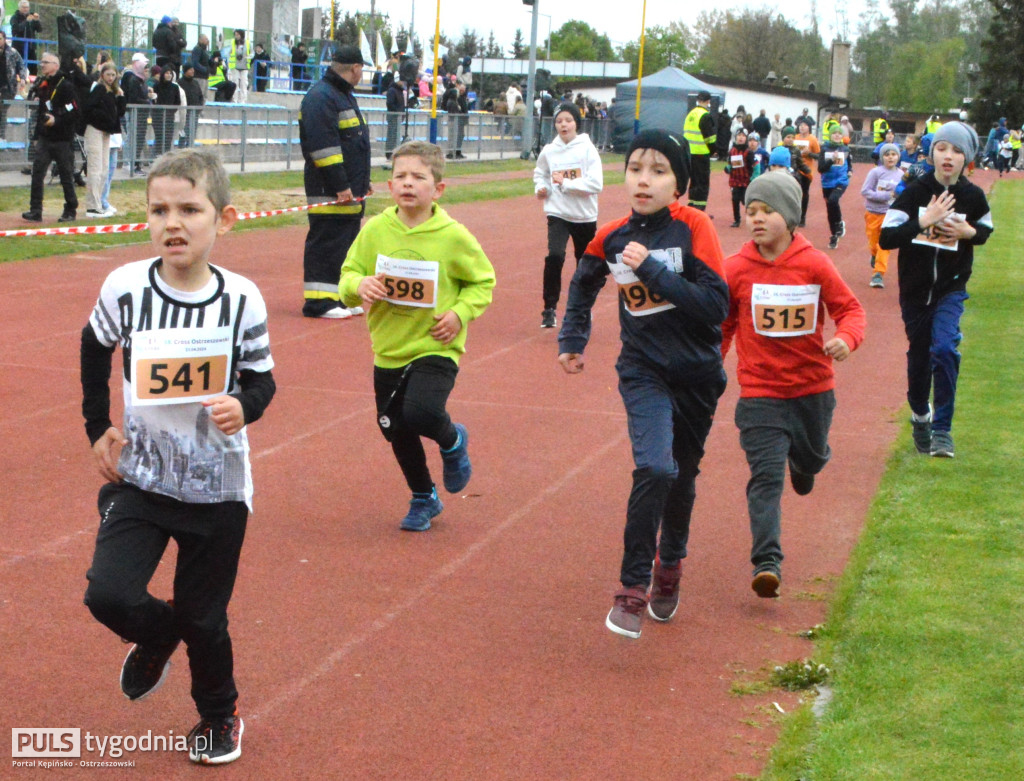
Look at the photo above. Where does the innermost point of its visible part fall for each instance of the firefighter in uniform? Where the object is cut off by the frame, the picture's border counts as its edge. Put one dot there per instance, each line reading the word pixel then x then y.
pixel 700 133
pixel 336 147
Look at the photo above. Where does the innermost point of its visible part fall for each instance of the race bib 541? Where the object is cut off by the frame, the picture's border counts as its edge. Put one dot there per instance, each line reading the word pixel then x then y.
pixel 180 365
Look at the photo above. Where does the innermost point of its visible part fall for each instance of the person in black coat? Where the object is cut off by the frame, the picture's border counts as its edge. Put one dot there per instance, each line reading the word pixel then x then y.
pixel 454 101
pixel 260 67
pixel 103 108
pixel 201 61
pixel 56 118
pixel 169 43
pixel 194 98
pixel 167 94
pixel 299 58
pixel 396 107
pixel 25 24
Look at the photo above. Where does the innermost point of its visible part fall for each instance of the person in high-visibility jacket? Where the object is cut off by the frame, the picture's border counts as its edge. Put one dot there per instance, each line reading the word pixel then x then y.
pixel 879 126
pixel 239 55
pixel 933 124
pixel 700 133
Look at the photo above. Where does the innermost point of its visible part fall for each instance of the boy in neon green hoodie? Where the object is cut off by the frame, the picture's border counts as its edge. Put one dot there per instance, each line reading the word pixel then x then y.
pixel 421 276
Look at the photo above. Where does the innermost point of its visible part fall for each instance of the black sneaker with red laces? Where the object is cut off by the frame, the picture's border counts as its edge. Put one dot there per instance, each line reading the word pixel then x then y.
pixel 216 741
pixel 145 669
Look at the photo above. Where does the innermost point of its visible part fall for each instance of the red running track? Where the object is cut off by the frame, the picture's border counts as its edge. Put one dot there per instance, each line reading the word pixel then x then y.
pixel 474 651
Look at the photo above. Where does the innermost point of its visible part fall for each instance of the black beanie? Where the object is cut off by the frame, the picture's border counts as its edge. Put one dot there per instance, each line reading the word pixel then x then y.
pixel 571 108
pixel 672 145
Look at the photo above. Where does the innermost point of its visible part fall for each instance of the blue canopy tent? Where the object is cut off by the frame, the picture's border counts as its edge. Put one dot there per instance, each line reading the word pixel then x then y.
pixel 666 97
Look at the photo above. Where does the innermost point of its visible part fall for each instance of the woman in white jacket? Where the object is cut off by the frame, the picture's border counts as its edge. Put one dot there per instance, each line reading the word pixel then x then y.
pixel 567 178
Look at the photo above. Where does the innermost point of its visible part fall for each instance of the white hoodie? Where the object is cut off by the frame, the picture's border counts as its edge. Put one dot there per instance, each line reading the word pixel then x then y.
pixel 575 199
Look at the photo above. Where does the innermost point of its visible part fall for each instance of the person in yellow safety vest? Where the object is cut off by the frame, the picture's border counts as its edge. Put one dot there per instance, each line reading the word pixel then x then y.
pixel 239 55
pixel 879 126
pixel 933 124
pixel 832 123
pixel 1015 138
pixel 700 133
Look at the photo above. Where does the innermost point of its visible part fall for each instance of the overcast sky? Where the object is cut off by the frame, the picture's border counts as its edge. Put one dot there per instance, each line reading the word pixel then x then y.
pixel 620 20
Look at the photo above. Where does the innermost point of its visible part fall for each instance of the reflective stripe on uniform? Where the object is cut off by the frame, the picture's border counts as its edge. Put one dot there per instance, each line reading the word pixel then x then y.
pixel 319 291
pixel 349 208
pixel 347 119
pixel 329 156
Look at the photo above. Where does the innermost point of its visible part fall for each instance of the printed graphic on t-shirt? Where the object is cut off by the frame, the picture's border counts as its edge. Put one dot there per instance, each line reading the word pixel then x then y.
pixel 931 238
pixel 636 297
pixel 409 282
pixel 784 310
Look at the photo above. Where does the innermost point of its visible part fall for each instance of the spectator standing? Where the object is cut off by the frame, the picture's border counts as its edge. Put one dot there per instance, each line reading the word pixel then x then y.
pixel 879 128
pixel 56 120
pixel 194 99
pixel 13 74
pixel 775 137
pixel 103 109
pixel 169 44
pixel 261 68
pixel 167 95
pixel 723 135
pixel 238 65
pixel 336 147
pixel 763 127
pixel 140 97
pixel 24 26
pixel 201 62
pixel 396 108
pixel 699 132
pixel 847 126
pixel 454 102
pixel 299 59
pixel 805 117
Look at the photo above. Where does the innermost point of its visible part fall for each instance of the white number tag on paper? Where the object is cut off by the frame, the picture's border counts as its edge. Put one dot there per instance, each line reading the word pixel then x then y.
pixel 736 160
pixel 785 310
pixel 636 297
pixel 409 282
pixel 180 365
pixel 930 237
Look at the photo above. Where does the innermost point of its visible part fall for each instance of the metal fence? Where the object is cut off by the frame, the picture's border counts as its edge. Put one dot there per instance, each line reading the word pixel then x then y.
pixel 246 135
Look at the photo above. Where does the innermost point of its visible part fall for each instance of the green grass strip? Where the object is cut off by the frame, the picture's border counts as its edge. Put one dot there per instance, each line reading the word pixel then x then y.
pixel 925 631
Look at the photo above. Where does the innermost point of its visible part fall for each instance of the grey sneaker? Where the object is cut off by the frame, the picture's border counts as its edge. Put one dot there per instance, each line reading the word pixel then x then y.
pixel 833 242
pixel 922 432
pixel 627 613
pixel 664 590
pixel 942 445
pixel 877 280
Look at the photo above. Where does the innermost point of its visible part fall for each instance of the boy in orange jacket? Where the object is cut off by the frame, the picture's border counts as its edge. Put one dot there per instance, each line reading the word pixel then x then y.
pixel 779 289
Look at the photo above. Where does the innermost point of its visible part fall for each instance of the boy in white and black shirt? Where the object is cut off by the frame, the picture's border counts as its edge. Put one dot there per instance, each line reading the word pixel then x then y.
pixel 197 370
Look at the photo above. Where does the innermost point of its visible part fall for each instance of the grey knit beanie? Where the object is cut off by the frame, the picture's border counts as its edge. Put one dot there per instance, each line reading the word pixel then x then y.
pixel 959 134
pixel 888 148
pixel 780 191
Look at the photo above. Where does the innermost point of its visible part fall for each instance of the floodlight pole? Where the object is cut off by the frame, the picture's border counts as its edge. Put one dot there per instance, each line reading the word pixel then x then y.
pixel 531 83
pixel 640 69
pixel 433 98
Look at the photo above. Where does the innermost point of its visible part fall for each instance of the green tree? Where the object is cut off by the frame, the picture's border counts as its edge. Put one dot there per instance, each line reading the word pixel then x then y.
pixel 518 50
pixel 663 46
pixel 747 45
pixel 1001 79
pixel 577 40
pixel 493 49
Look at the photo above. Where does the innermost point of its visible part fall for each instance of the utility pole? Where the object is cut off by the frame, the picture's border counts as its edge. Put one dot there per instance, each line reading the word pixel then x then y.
pixel 531 83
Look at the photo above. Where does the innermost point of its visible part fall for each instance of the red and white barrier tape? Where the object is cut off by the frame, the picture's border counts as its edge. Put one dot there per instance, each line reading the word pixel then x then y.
pixel 79 230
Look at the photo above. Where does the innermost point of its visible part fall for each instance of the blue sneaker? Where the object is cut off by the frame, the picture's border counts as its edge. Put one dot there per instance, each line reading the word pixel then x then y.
pixel 422 508
pixel 457 469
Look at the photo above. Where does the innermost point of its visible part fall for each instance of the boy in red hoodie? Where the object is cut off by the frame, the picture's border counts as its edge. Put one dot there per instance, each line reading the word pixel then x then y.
pixel 779 289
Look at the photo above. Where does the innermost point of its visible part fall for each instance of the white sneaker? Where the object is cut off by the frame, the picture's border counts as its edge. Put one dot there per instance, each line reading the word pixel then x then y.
pixel 337 313
pixel 94 214
pixel 110 211
pixel 355 310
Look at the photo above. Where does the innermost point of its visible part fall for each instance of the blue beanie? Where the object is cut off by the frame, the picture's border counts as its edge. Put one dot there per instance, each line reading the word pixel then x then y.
pixel 165 20
pixel 780 156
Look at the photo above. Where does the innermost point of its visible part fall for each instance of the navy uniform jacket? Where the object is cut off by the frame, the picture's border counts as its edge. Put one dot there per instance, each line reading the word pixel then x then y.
pixel 336 146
